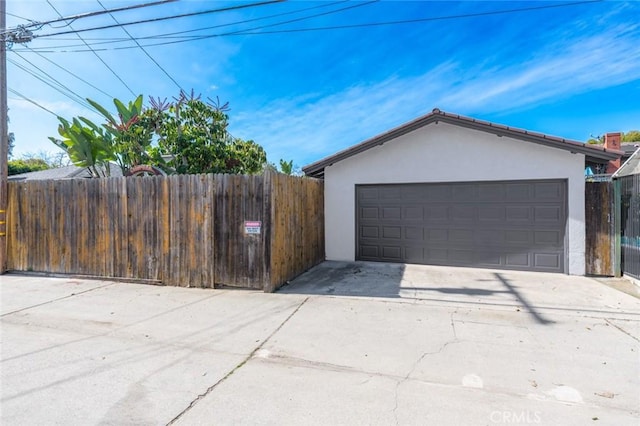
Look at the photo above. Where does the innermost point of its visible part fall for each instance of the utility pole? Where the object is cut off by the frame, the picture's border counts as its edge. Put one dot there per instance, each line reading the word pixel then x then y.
pixel 4 137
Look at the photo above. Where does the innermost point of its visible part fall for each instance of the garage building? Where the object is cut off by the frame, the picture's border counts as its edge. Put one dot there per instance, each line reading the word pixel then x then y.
pixel 451 190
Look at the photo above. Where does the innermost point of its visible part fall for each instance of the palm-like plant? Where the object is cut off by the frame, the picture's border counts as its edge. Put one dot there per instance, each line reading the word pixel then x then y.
pixel 131 138
pixel 86 144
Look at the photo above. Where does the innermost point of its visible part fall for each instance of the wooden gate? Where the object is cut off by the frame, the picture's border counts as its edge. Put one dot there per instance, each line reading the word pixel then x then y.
pixel 599 221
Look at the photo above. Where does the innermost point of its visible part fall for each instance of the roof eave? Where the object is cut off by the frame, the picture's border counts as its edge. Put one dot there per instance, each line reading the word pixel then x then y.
pixel 598 154
pixel 316 168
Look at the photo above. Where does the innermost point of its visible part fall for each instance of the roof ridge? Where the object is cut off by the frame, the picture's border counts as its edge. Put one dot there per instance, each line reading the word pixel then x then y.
pixel 436 115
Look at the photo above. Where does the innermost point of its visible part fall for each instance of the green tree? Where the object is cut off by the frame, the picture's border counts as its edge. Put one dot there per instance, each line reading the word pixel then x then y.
pixel 286 167
pixel 27 165
pixel 53 159
pixel 595 140
pixel 631 136
pixel 194 135
pixel 187 136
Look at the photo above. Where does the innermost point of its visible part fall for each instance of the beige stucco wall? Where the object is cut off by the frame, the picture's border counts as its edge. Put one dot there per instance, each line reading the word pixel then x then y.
pixel 445 153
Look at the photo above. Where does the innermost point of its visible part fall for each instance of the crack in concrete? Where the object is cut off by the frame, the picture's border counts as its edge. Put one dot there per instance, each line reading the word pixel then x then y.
pixel 57 299
pixel 305 363
pixel 423 356
pixel 623 330
pixel 237 367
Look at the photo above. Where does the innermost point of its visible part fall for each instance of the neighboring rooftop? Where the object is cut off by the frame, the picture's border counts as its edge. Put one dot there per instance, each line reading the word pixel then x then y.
pixel 594 153
pixel 629 148
pixel 67 172
pixel 631 166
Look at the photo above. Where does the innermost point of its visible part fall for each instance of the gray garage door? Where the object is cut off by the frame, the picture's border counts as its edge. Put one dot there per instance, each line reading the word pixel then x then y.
pixel 507 225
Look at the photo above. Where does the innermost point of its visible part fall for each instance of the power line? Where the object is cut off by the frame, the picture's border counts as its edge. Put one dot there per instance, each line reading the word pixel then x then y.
pixel 109 40
pixel 80 100
pixel 19 17
pixel 99 12
pixel 329 28
pixel 305 18
pixel 25 29
pixel 224 9
pixel 410 21
pixel 68 72
pixel 32 101
pixel 96 54
pixel 192 38
pixel 42 79
pixel 143 49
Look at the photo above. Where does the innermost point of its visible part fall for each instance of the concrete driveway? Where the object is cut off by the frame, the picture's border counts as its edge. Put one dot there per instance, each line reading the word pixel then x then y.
pixel 356 343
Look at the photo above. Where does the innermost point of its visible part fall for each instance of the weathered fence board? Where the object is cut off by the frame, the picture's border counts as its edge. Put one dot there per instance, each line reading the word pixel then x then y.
pixel 599 216
pixel 298 226
pixel 176 230
pixel 239 256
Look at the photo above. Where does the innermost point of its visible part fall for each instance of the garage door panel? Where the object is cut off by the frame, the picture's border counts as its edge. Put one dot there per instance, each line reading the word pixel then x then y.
pixel 412 193
pixel 414 255
pixel 392 212
pixel 413 213
pixel 518 192
pixel 488 258
pixel 512 225
pixel 437 193
pixel 491 214
pixel 394 232
pixel 490 237
pixel 437 213
pixel 436 256
pixel 491 192
pixel 369 232
pixel 369 213
pixel 517 237
pixel 464 236
pixel 414 233
pixel 548 191
pixel 547 260
pixel 547 214
pixel 369 252
pixel 461 256
pixel 464 192
pixel 368 193
pixel 518 214
pixel 389 194
pixel 462 213
pixel 437 235
pixel 547 238
pixel 520 260
pixel 392 253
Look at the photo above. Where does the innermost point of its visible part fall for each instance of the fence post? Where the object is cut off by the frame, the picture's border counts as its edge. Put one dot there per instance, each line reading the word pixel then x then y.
pixel 617 258
pixel 268 228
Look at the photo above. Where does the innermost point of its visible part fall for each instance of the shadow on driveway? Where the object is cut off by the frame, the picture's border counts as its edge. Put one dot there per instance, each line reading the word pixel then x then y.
pixel 395 280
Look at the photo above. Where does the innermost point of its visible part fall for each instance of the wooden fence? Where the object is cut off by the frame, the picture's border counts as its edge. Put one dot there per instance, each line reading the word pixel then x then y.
pixel 184 230
pixel 599 226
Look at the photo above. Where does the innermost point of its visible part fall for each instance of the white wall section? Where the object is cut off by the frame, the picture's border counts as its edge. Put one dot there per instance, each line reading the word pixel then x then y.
pixel 446 153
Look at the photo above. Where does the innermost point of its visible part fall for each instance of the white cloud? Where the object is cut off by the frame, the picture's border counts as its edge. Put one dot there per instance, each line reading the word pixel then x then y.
pixel 307 129
pixel 587 63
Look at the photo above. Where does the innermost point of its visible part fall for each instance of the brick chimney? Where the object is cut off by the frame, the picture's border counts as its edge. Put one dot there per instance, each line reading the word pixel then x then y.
pixel 612 141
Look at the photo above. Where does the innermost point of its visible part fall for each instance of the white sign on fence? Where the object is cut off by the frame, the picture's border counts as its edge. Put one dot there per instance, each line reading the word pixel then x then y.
pixel 252 227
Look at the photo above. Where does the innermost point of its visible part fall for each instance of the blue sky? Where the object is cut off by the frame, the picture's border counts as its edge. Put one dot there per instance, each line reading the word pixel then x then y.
pixel 304 92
